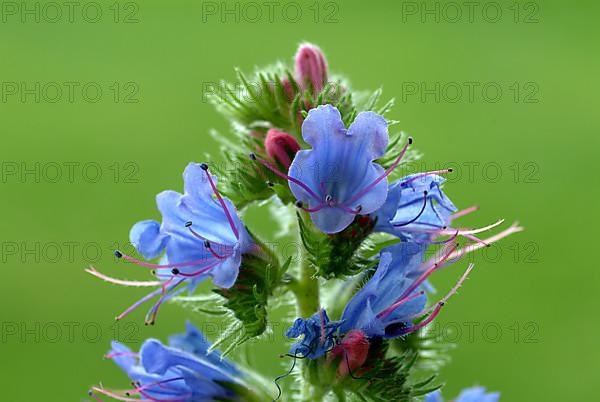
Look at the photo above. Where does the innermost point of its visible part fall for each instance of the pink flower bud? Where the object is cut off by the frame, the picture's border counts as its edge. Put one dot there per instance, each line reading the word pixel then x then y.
pixel 352 351
pixel 281 147
pixel 311 67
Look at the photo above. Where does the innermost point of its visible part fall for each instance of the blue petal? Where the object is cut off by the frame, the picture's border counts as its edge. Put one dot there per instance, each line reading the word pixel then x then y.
pixel 194 342
pixel 405 202
pixel 317 332
pixel 340 165
pixel 147 238
pixel 477 394
pixel 384 289
pixel 158 359
pixel 122 356
pixel 435 396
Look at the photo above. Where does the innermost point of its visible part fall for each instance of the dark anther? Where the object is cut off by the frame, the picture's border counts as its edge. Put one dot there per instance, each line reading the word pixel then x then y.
pixel 175 271
pixel 270 183
pixel 188 224
pixel 203 166
pixel 410 140
pixel 206 244
pixel 299 204
pixel 118 254
pixel 252 156
pixel 450 170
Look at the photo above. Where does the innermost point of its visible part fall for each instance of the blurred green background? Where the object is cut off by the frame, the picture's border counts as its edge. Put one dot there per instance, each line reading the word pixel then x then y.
pixel 78 169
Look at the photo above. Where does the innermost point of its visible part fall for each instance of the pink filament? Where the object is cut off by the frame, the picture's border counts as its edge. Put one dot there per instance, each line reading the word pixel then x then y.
pixel 380 178
pixel 394 306
pixel 464 212
pixel 290 178
pixel 229 218
pixel 121 282
pixel 158 266
pixel 427 273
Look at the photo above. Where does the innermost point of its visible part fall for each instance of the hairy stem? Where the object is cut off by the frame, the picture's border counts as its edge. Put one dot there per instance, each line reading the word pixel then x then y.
pixel 306 290
pixel 307 286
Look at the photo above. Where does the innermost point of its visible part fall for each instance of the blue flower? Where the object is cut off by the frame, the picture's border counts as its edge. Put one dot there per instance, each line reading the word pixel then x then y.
pixel 475 394
pixel 200 236
pixel 386 305
pixel 394 297
pixel 182 371
pixel 415 207
pixel 317 334
pixel 337 179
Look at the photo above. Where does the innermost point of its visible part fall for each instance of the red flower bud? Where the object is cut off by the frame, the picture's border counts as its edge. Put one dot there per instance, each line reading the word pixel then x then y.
pixel 281 147
pixel 353 351
pixel 311 67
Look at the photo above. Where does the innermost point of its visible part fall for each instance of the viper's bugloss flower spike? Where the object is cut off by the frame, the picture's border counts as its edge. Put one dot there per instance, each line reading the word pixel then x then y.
pixel 281 147
pixel 337 179
pixel 475 394
pixel 310 67
pixel 200 236
pixel 183 371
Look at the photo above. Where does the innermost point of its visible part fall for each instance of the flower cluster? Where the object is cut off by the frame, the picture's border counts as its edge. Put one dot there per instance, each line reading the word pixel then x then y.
pixel 315 149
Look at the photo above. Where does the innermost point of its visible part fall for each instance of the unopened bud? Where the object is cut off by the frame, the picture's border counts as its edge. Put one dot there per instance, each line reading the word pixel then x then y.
pixel 311 67
pixel 281 147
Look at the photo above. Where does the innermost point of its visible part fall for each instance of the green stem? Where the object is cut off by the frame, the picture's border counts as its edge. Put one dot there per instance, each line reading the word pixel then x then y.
pixel 307 286
pixel 306 290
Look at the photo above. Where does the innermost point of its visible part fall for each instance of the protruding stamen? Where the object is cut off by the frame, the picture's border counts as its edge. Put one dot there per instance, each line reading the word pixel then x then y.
pixel 113 395
pixel 423 277
pixel 455 288
pixel 204 239
pixel 514 228
pixel 204 167
pixel 385 174
pixel 158 266
pixel 138 303
pixel 213 252
pixel 425 322
pixel 464 212
pixel 418 215
pixel 420 176
pixel 394 306
pixel 200 271
pixel 476 239
pixel 350 210
pixel 166 287
pixel 121 282
pixel 300 204
pixel 119 354
pixel 448 240
pixel 285 176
